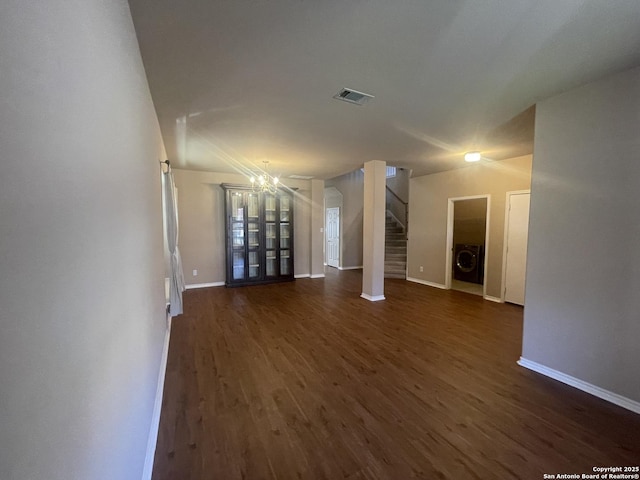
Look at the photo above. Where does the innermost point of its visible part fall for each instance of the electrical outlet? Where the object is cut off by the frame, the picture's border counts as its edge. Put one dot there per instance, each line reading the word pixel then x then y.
pixel 421 268
pixel 195 273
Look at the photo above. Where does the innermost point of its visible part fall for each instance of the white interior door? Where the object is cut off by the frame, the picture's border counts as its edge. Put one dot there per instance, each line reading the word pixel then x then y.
pixel 333 236
pixel 516 258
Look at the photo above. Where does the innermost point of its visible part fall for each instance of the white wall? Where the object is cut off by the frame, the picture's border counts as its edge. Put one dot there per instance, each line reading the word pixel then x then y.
pixel 201 211
pixel 82 318
pixel 583 274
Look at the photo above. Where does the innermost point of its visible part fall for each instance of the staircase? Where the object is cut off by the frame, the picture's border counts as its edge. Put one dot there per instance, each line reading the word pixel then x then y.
pixel 395 249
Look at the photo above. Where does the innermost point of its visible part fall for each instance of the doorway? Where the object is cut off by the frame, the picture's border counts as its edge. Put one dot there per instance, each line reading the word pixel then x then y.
pixel 332 225
pixel 467 241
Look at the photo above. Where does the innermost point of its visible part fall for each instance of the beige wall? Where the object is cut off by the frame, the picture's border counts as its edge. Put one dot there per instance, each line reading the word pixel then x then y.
pixel 400 183
pixel 400 186
pixel 81 251
pixel 351 186
pixel 583 273
pixel 428 205
pixel 201 213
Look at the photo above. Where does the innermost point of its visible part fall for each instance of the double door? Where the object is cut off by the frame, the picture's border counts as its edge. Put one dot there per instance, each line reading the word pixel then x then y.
pixel 259 236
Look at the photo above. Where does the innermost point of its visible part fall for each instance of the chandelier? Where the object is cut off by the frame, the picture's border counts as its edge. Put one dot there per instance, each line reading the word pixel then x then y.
pixel 264 182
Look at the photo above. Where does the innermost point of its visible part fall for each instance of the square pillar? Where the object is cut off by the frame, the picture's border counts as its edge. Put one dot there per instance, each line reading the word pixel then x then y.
pixel 317 228
pixel 373 230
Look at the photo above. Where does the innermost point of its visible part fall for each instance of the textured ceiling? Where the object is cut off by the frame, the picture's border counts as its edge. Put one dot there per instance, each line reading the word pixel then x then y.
pixel 236 82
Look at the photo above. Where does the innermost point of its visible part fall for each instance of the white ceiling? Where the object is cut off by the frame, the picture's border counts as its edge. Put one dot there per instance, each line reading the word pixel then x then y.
pixel 254 79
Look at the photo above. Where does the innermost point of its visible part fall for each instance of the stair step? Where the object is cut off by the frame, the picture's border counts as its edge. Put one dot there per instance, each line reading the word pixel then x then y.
pixel 395 258
pixel 395 275
pixel 395 252
pixel 399 266
pixel 395 265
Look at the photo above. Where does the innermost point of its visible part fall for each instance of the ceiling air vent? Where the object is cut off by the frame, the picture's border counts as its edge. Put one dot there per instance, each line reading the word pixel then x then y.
pixel 353 96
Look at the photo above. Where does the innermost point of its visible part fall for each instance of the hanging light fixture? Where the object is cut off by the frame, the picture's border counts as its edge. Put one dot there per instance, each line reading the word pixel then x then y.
pixel 264 182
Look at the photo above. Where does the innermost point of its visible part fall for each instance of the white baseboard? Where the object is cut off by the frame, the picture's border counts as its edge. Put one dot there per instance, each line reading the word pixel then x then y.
pixel 302 275
pixel 493 299
pixel 358 267
pixel 425 282
pixel 317 275
pixel 619 400
pixel 204 285
pixel 157 407
pixel 374 298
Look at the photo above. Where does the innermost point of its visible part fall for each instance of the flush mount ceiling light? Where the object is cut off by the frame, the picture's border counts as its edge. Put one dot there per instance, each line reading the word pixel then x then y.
pixel 353 96
pixel 472 157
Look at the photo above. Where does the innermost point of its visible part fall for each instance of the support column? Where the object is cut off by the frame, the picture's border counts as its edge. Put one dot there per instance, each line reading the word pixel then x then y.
pixel 317 228
pixel 373 230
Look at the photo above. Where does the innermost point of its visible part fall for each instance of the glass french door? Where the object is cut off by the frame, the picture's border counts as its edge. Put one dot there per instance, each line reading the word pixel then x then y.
pixel 286 265
pixel 271 235
pixel 245 236
pixel 237 236
pixel 253 235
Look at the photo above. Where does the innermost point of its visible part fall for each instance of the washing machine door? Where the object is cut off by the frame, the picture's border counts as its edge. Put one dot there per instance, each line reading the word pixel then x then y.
pixel 466 260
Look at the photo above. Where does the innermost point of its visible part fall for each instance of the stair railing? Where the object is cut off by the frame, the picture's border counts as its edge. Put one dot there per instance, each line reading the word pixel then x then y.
pixel 398 208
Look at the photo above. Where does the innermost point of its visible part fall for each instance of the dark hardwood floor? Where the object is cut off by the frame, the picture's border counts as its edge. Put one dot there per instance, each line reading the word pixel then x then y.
pixel 307 380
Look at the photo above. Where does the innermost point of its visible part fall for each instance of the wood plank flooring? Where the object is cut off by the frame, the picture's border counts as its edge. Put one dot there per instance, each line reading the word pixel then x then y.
pixel 305 380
